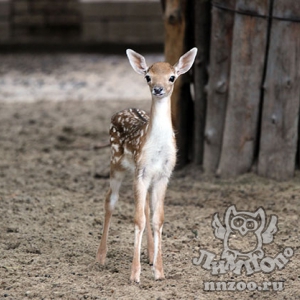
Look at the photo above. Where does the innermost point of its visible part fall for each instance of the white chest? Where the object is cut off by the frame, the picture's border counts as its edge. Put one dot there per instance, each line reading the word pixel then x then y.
pixel 159 155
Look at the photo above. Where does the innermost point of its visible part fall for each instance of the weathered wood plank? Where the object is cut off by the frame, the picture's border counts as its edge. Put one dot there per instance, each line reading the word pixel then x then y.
pixel 279 133
pixel 202 42
pixel 218 85
pixel 248 55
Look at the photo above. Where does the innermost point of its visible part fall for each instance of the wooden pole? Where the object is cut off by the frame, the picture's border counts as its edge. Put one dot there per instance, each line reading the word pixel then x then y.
pixel 298 149
pixel 218 85
pixel 177 42
pixel 174 23
pixel 279 133
pixel 202 11
pixel 247 65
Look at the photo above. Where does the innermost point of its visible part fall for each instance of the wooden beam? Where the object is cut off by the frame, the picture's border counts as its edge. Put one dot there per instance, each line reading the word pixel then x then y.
pixel 218 85
pixel 174 24
pixel 202 11
pixel 279 132
pixel 176 44
pixel 246 73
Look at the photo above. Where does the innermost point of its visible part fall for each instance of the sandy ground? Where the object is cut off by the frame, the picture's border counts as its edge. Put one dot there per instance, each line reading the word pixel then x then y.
pixel 60 77
pixel 53 181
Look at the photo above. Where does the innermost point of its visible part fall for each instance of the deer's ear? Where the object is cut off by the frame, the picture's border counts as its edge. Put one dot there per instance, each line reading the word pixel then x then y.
pixel 185 62
pixel 137 61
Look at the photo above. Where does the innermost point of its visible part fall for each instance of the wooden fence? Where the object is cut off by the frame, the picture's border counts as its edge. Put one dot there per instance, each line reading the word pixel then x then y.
pixel 246 79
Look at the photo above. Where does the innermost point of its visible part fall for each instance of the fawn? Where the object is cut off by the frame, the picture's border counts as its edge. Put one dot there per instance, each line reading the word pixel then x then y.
pixel 146 146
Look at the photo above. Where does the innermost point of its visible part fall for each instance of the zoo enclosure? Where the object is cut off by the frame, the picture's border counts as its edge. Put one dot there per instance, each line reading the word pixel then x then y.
pixel 246 110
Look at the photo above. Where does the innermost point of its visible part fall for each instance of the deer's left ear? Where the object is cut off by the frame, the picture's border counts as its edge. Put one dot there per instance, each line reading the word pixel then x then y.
pixel 137 61
pixel 185 61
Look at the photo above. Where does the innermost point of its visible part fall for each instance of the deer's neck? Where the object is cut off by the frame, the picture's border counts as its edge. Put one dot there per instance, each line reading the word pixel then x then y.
pixel 160 124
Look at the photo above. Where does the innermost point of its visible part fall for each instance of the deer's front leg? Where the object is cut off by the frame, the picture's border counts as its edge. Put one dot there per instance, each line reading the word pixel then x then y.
pixel 140 191
pixel 158 196
pixel 150 243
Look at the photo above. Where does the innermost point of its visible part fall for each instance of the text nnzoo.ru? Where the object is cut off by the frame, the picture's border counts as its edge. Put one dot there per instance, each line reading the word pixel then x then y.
pixel 220 286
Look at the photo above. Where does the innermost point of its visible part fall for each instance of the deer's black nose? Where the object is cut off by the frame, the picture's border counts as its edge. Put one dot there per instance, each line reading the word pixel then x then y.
pixel 157 90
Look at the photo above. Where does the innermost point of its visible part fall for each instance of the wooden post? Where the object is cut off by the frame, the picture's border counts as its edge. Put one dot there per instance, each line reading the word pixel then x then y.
pixel 279 134
pixel 177 43
pixel 218 85
pixel 202 10
pixel 248 56
pixel 298 148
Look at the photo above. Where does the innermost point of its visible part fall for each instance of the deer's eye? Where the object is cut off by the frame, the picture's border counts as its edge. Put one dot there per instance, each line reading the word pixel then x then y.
pixel 172 78
pixel 148 78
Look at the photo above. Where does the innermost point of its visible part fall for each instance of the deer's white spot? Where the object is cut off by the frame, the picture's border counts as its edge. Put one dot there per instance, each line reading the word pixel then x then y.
pixel 115 147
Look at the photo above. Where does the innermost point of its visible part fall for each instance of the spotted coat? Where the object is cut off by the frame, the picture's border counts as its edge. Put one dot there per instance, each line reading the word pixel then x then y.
pixel 127 133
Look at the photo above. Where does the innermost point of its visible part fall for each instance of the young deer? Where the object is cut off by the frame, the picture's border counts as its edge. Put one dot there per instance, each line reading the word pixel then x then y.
pixel 146 146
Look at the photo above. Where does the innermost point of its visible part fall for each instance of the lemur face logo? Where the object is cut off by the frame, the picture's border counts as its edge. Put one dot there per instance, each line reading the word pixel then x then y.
pixel 244 228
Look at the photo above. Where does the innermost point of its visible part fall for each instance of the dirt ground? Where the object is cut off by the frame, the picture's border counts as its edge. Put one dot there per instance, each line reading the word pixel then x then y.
pixel 52 185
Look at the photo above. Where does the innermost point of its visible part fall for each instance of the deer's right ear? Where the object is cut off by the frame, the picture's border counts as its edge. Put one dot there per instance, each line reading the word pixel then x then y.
pixel 137 62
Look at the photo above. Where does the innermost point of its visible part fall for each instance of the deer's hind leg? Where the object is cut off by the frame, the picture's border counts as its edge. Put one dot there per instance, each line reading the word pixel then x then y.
pixel 112 196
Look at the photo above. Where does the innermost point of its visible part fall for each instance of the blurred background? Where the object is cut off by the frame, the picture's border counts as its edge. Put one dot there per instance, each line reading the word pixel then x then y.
pixel 75 50
pixel 67 23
